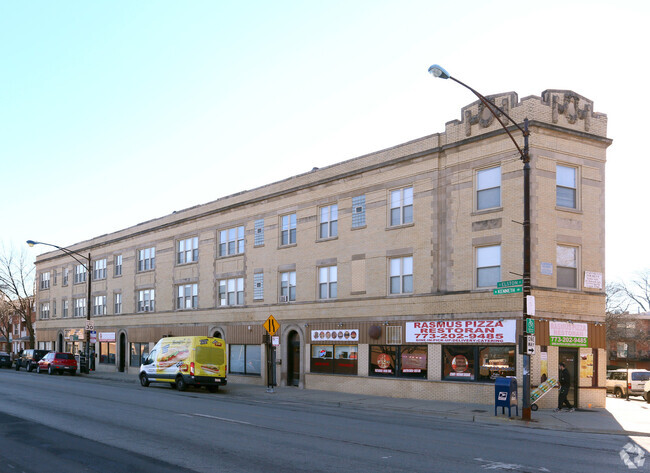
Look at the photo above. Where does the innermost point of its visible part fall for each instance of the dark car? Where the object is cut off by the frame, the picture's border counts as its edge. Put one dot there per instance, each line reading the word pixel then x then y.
pixel 5 360
pixel 29 359
pixel 57 362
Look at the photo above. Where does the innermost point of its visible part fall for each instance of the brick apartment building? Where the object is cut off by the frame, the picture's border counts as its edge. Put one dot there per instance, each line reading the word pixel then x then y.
pixel 379 269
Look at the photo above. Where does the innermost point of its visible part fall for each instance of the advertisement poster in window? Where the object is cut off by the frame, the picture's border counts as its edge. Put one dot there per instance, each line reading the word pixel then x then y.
pixel 460 365
pixel 462 331
pixel 341 335
pixel 587 365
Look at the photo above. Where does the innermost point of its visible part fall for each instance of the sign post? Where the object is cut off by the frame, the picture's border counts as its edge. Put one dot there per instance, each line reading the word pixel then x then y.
pixel 271 326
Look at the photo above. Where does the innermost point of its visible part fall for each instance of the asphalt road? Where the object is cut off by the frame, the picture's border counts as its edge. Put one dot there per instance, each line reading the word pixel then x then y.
pixel 70 424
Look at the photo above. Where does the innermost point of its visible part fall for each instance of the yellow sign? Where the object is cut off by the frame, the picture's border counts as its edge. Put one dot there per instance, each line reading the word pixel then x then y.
pixel 271 325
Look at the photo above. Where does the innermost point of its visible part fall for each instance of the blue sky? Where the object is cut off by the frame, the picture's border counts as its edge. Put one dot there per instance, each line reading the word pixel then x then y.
pixel 114 113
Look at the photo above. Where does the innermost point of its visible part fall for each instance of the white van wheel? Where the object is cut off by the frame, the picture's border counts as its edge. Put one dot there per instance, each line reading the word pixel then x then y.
pixel 144 381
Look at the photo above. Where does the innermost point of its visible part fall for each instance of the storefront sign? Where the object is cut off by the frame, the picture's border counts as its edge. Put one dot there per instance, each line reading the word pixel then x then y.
pixel 462 331
pixel 74 334
pixel 342 335
pixel 106 336
pixel 564 334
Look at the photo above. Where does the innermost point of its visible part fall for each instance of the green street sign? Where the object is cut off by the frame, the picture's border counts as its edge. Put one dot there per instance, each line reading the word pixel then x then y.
pixel 506 290
pixel 530 326
pixel 514 282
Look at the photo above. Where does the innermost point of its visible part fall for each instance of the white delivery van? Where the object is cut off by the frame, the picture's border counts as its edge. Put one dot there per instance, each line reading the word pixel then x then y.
pixel 186 361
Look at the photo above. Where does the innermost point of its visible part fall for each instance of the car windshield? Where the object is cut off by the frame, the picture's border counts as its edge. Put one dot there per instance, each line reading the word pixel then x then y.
pixel 640 376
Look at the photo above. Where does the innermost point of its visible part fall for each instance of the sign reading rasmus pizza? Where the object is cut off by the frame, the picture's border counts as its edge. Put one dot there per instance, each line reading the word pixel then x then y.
pixel 462 331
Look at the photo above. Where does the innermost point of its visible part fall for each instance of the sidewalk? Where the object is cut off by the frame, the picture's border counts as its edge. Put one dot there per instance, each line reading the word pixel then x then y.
pixel 621 417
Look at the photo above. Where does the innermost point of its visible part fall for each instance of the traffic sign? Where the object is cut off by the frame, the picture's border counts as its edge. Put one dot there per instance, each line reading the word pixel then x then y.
pixel 271 325
pixel 514 282
pixel 530 344
pixel 90 325
pixel 530 326
pixel 506 290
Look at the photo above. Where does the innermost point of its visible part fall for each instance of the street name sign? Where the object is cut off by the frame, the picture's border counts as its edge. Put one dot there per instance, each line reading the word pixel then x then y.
pixel 514 282
pixel 506 290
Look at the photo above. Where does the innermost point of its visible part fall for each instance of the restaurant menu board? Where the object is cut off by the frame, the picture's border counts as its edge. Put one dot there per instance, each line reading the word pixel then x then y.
pixel 462 331
pixel 341 335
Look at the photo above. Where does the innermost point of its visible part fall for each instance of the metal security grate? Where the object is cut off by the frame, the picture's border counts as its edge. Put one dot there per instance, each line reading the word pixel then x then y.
pixel 394 335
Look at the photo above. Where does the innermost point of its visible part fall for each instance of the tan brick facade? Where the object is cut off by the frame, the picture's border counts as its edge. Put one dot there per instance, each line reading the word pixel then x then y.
pixel 441 239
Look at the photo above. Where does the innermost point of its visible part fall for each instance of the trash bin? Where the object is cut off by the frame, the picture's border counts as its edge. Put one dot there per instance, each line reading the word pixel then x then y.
pixel 505 395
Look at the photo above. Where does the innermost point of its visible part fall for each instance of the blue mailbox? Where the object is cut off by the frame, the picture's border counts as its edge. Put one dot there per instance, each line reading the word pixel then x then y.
pixel 505 395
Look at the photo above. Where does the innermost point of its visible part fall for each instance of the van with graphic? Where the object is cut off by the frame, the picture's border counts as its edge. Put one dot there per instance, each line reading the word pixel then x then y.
pixel 186 361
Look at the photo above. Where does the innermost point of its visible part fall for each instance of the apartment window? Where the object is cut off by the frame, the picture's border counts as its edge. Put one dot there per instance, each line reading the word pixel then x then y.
pixel 147 259
pixel 566 186
pixel 118 266
pixel 45 280
pixel 259 232
pixel 187 251
pixel 54 307
pixel 79 274
pixel 231 241
pixel 117 303
pixel 80 307
pixel 231 292
pixel 329 220
pixel 288 286
pixel 66 275
pixel 100 269
pixel 488 188
pixel 401 206
pixel 258 286
pixel 359 211
pixel 99 305
pixel 54 277
pixel 327 282
pixel 401 275
pixel 567 266
pixel 187 296
pixel 245 359
pixel 146 300
pixel 488 265
pixel 64 307
pixel 45 310
pixel 288 230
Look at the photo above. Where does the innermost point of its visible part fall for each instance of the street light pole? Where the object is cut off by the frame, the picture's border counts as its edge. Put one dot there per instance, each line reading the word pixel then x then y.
pixel 440 72
pixel 72 254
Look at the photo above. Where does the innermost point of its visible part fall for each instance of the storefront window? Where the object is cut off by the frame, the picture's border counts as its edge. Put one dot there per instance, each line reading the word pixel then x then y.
pixel 478 363
pixel 245 359
pixel 403 361
pixel 334 359
pixel 137 352
pixel 107 353
pixel 72 347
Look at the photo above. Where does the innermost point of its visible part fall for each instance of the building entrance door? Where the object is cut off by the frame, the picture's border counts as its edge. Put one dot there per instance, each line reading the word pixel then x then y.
pixel 569 356
pixel 293 355
pixel 122 352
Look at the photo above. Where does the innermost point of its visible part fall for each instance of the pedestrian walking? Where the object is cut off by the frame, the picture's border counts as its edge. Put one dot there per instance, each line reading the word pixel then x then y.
pixel 565 384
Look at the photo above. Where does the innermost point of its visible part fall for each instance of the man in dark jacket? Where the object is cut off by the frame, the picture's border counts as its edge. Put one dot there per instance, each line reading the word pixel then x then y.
pixel 565 384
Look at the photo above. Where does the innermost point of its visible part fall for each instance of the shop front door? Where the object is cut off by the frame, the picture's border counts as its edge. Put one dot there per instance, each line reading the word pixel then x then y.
pixel 293 368
pixel 569 356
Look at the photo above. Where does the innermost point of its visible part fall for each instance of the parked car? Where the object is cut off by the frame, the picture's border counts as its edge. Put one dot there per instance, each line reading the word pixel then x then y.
pixel 646 391
pixel 619 382
pixel 29 359
pixel 57 362
pixel 5 360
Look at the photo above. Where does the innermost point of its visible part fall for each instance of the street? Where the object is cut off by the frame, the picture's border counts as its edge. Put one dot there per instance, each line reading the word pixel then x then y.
pixel 70 424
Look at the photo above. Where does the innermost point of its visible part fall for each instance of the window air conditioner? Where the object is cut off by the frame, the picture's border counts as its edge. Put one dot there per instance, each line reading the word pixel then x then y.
pixel 284 298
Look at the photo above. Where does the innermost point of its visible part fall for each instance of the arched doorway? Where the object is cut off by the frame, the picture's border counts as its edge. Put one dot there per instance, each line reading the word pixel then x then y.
pixel 122 352
pixel 217 334
pixel 293 358
pixel 59 343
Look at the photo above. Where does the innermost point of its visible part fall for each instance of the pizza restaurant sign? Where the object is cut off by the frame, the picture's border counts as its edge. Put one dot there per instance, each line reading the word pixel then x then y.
pixel 564 334
pixel 462 331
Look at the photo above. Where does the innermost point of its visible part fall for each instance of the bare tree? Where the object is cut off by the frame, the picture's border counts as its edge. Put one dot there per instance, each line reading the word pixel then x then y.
pixel 638 290
pixel 17 285
pixel 6 317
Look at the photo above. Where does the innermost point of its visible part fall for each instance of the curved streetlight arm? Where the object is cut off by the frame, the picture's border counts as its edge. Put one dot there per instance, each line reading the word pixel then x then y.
pixel 68 252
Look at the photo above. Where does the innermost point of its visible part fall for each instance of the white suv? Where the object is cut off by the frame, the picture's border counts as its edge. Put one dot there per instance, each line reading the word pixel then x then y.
pixel 646 391
pixel 620 381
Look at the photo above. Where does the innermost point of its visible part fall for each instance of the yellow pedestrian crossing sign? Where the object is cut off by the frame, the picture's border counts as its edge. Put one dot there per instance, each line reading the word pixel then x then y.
pixel 271 325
